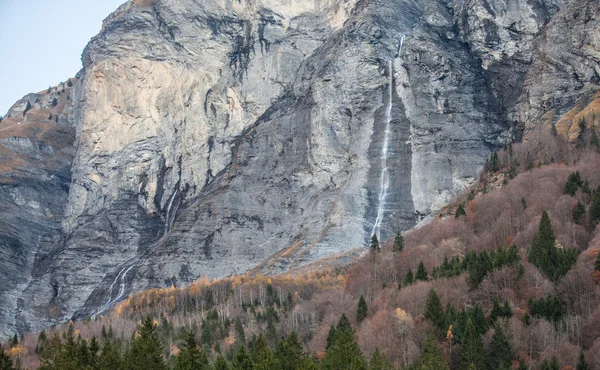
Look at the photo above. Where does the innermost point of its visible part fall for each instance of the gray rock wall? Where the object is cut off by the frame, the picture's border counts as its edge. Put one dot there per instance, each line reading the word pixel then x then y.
pixel 217 137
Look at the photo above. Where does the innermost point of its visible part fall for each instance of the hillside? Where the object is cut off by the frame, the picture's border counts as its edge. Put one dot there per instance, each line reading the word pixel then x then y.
pixel 480 255
pixel 217 137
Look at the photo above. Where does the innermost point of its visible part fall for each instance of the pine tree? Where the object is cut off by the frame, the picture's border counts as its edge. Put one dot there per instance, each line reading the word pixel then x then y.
pixel 361 310
pixel 543 254
pixel 330 337
pixel 221 364
pixel 578 213
pixel 471 349
pixel 431 358
pixel 110 357
pixel 375 244
pixel 522 365
pixel 242 360
pixel 344 352
pixel 434 312
pixel 190 357
pixel 582 363
pixel 421 272
pixel 262 357
pixel 5 361
pixel 460 211
pixel 500 352
pixel 409 278
pixel 145 352
pixel 594 142
pixel 595 207
pixel 398 242
pixel 573 183
pixel 240 336
pixel 379 361
pixel 289 353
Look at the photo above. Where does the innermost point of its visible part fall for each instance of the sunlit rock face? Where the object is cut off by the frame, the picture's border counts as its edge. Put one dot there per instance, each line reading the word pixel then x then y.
pixel 218 137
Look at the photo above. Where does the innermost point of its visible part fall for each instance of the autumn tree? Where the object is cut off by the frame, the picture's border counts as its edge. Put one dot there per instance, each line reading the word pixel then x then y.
pixel 361 310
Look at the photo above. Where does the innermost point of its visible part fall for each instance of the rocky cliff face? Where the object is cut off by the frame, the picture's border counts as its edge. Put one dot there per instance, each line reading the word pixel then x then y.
pixel 216 137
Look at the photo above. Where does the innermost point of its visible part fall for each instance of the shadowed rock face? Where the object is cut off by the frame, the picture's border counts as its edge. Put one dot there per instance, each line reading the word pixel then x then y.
pixel 216 137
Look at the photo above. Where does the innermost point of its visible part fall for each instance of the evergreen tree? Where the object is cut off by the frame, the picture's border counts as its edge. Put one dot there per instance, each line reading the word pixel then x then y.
pixel 500 351
pixel 434 312
pixel 289 353
pixel 262 357
pixel 421 272
pixel 5 361
pixel 330 337
pixel 54 102
pixel 460 211
pixel 595 207
pixel 544 255
pixel 431 358
pixel 594 142
pixel 110 357
pixel 344 352
pixel 379 361
pixel 361 310
pixel 582 363
pixel 409 278
pixel 221 363
pixel 597 263
pixel 375 244
pixel 522 365
pixel 578 213
pixel 240 336
pixel 145 352
pixel 471 349
pixel 190 357
pixel 242 360
pixel 573 183
pixel 398 242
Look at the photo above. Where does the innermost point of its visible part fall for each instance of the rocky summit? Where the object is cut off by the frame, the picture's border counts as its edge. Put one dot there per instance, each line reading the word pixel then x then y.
pixel 215 137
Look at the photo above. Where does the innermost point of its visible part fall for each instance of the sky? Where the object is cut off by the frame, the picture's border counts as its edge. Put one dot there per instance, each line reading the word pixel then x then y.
pixel 41 42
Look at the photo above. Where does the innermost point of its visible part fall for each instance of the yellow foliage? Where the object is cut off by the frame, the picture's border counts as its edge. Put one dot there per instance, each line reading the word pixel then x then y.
pixel 449 335
pixel 18 351
pixel 403 315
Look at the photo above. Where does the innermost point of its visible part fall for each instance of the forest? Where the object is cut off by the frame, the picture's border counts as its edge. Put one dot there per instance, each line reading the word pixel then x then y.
pixel 506 277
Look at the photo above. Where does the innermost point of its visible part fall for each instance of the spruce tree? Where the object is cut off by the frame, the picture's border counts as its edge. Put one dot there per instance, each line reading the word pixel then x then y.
pixel 434 312
pixel 582 363
pixel 578 213
pixel 5 361
pixel 595 207
pixel 262 357
pixel 242 360
pixel 522 365
pixel 500 352
pixel 421 272
pixel 431 358
pixel 398 242
pixel 471 349
pixel 221 363
pixel 361 310
pixel 379 361
pixel 240 336
pixel 409 278
pixel 375 244
pixel 460 211
pixel 190 357
pixel 330 337
pixel 344 352
pixel 110 357
pixel 145 352
pixel 289 353
pixel 343 324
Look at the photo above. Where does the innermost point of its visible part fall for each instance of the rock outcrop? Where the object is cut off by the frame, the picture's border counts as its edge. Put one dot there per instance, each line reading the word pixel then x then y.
pixel 216 137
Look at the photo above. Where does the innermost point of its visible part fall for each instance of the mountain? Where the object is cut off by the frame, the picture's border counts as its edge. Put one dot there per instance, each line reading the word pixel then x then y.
pixel 214 137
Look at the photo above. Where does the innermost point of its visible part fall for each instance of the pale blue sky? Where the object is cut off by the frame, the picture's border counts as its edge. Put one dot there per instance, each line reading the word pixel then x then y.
pixel 41 42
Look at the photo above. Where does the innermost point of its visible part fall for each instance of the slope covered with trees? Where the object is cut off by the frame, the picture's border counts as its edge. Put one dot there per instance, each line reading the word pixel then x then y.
pixel 506 277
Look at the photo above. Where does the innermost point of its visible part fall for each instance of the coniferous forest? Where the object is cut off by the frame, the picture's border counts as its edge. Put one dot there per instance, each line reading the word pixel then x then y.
pixel 506 277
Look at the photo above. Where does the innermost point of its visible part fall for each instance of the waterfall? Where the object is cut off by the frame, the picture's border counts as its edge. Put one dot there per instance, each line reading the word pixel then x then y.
pixel 170 214
pixel 384 178
pixel 120 276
